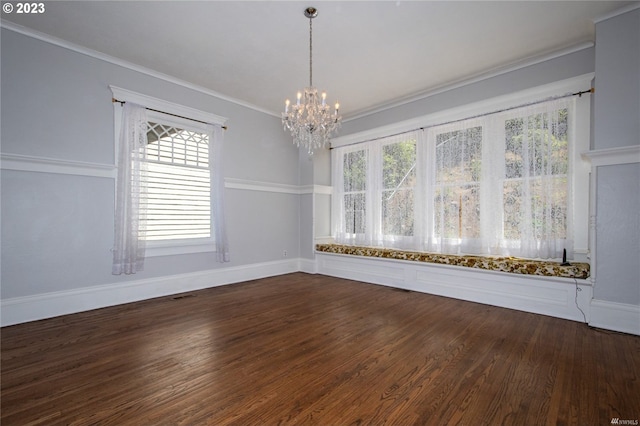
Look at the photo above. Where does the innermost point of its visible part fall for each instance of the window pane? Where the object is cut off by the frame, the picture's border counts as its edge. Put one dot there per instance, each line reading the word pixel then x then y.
pixel 535 190
pixel 355 183
pixel 399 164
pixel 178 203
pixel 397 212
pixel 457 189
pixel 459 155
pixel 399 179
pixel 457 211
pixel 545 200
pixel 354 212
pixel 537 145
pixel 177 146
pixel 355 171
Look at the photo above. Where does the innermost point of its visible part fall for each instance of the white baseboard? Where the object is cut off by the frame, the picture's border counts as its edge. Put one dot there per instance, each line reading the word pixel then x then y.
pixel 557 297
pixel 308 266
pixel 31 308
pixel 615 316
pixel 542 295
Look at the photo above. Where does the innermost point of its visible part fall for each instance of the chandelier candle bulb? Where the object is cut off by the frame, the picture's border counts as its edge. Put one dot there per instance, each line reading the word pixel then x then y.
pixel 286 106
pixel 324 98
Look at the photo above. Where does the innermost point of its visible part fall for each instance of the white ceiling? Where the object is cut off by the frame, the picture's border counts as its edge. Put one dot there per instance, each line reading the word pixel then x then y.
pixel 365 54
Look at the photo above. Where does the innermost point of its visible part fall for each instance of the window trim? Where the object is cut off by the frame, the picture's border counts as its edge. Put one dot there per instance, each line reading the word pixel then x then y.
pixel 579 125
pixel 169 109
pixel 166 106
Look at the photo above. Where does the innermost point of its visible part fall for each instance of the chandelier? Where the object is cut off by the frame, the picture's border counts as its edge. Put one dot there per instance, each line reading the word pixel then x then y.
pixel 309 120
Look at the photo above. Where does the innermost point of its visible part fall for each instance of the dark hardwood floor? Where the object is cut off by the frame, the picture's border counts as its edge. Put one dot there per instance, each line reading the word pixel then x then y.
pixel 310 349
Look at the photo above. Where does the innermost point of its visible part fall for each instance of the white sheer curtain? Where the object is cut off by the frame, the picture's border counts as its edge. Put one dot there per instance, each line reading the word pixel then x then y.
pixel 498 184
pixel 129 247
pixel 376 200
pixel 453 182
pixel 349 200
pixel 216 138
pixel 535 180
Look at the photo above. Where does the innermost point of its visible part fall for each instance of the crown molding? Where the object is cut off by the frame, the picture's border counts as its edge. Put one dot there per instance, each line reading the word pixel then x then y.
pixel 125 64
pixel 617 12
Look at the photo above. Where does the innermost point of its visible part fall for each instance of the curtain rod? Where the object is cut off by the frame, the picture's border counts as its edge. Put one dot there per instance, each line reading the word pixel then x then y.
pixel 552 98
pixel 114 100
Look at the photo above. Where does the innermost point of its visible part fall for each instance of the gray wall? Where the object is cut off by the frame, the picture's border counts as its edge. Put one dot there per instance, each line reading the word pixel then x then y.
pixel 563 67
pixel 618 234
pixel 617 124
pixel 617 97
pixel 57 229
pixel 315 204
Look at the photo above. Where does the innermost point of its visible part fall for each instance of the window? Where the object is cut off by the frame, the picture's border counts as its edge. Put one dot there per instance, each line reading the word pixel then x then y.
pixel 178 198
pixel 456 190
pixel 354 195
pixel 498 184
pixel 535 181
pixel 171 202
pixel 377 192
pixel 398 186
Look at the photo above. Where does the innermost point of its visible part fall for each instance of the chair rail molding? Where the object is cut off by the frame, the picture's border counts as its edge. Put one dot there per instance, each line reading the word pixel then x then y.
pixel 30 163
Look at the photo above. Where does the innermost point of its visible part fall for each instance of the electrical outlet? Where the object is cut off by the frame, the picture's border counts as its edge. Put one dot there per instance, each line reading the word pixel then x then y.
pixel 284 253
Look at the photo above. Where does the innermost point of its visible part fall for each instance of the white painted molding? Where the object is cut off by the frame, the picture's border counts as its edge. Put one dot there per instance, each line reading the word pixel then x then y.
pixel 252 185
pixel 306 189
pixel 628 8
pixel 125 64
pixel 166 106
pixel 551 296
pixel 323 189
pixel 308 266
pixel 613 156
pixel 36 164
pixel 28 163
pixel 324 239
pixel 615 316
pixel 31 308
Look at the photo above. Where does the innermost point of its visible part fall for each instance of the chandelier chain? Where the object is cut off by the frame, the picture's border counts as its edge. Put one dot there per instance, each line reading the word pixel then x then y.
pixel 310 51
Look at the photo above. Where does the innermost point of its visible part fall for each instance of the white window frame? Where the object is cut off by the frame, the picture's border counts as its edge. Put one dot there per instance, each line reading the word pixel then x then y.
pixel 170 112
pixel 579 124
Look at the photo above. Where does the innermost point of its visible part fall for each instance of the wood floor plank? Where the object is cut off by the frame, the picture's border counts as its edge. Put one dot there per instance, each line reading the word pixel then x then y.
pixel 310 349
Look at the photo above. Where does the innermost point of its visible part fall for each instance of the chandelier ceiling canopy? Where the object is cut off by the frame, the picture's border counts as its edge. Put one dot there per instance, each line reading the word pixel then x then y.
pixel 310 120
